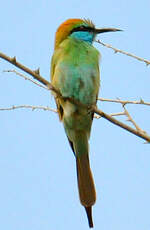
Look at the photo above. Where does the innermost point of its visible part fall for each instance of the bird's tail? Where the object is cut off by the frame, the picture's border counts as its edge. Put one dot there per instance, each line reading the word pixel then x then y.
pixel 86 186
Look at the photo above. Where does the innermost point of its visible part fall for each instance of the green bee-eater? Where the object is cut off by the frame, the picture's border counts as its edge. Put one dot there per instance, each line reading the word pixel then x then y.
pixel 75 73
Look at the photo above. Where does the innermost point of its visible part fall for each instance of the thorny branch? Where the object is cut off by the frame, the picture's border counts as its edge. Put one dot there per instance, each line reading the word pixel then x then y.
pixel 122 125
pixel 112 115
pixel 36 75
pixel 25 77
pixel 126 113
pixel 124 52
pixel 140 102
pixel 32 107
pixel 137 132
pixel 132 121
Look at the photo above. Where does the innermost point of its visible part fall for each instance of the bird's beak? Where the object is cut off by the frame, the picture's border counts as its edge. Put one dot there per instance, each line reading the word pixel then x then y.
pixel 103 30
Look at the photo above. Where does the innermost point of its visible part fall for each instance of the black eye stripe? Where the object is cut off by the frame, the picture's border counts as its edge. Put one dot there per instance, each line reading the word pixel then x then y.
pixel 82 28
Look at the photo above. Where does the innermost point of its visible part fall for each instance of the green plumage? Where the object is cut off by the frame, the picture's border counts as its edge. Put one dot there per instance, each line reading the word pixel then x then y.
pixel 75 70
pixel 75 73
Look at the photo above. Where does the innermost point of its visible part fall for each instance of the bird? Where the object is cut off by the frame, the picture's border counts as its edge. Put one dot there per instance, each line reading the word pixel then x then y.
pixel 75 74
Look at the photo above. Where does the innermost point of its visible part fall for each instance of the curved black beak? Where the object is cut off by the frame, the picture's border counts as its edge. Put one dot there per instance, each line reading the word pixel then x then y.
pixel 103 30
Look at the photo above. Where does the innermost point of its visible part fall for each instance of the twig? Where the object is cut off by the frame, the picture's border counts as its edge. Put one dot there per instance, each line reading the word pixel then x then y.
pixel 122 125
pixel 117 114
pixel 112 115
pixel 28 107
pixel 132 121
pixel 123 102
pixel 25 77
pixel 147 62
pixel 34 74
pixel 47 108
pixel 130 118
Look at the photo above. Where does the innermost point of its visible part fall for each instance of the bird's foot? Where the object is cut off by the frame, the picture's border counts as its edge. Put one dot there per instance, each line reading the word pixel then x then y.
pixel 89 110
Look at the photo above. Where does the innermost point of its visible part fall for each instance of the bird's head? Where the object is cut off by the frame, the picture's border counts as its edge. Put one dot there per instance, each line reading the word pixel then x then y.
pixel 81 29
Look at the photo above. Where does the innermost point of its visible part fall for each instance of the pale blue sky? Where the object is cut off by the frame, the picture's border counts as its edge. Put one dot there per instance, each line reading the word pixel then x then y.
pixel 37 168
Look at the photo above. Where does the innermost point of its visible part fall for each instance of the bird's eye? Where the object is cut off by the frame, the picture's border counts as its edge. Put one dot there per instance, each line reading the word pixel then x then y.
pixel 82 27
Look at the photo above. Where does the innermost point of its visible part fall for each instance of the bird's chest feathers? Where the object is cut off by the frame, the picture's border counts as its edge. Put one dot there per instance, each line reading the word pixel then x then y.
pixel 77 72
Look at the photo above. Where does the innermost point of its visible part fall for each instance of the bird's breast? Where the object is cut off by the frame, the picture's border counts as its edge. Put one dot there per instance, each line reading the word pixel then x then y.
pixel 76 72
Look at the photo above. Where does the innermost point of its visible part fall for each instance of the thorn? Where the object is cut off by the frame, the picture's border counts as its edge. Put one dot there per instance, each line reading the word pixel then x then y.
pixel 5 71
pixel 143 131
pixel 147 63
pixel 14 60
pixel 123 104
pixel 141 101
pixel 37 71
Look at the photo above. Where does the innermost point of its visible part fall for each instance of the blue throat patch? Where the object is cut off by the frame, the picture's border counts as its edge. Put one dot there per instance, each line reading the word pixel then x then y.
pixel 83 35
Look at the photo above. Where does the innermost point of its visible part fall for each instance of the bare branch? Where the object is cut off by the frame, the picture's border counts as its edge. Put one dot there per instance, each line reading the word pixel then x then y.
pixel 58 94
pixel 132 121
pixel 147 62
pixel 25 77
pixel 32 107
pixel 128 115
pixel 112 114
pixel 122 125
pixel 123 102
pixel 34 74
pixel 117 114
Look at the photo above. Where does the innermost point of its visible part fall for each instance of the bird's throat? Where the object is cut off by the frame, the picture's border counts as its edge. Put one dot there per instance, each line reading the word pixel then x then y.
pixel 83 35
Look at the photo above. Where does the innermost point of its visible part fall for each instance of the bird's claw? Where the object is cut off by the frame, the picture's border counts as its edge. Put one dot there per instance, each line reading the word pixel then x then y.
pixel 89 110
